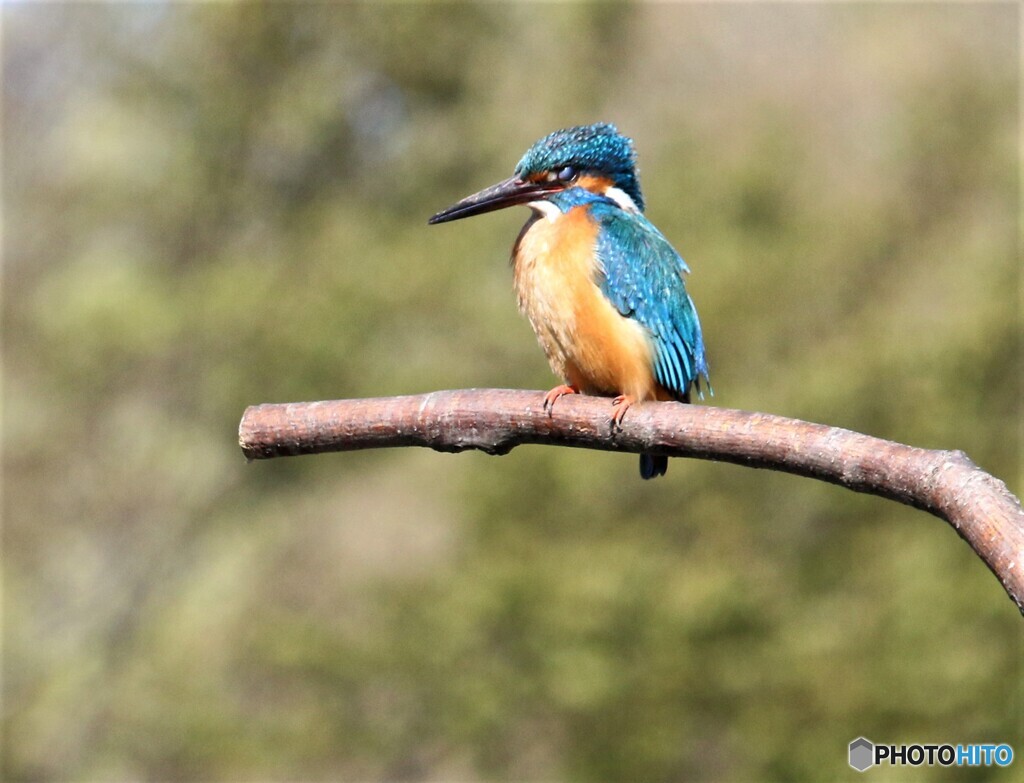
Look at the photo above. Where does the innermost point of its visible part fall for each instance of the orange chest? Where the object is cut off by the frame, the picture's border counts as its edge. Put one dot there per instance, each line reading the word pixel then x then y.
pixel 587 341
pixel 554 266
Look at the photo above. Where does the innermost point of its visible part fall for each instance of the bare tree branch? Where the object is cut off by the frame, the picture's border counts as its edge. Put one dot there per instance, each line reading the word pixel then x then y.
pixel 944 483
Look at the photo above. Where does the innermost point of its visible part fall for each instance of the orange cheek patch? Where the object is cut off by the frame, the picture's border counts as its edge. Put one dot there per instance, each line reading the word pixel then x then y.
pixel 594 183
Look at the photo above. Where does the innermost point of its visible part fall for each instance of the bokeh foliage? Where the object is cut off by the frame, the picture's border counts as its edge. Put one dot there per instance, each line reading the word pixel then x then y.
pixel 213 205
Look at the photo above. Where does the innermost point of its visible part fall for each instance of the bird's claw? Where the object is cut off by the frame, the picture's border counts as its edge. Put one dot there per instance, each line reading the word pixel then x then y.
pixel 559 391
pixel 621 405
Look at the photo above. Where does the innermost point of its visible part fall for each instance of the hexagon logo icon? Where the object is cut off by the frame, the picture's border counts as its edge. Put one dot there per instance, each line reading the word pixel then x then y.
pixel 862 754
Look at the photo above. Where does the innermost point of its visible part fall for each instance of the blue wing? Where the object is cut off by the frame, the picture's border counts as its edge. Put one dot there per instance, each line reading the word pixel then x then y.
pixel 642 275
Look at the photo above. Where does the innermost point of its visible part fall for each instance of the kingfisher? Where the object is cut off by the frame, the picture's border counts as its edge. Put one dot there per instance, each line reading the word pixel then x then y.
pixel 602 288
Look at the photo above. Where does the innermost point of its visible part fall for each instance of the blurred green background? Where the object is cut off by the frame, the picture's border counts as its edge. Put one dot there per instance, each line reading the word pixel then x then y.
pixel 214 205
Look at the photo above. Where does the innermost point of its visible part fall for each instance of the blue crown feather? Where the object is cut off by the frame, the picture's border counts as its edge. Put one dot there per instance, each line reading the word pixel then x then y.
pixel 598 148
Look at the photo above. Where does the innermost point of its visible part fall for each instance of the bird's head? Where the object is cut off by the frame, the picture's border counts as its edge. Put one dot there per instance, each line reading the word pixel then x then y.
pixel 594 157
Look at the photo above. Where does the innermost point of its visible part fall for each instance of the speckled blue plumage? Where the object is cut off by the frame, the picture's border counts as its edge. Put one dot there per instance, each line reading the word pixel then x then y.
pixel 642 275
pixel 598 147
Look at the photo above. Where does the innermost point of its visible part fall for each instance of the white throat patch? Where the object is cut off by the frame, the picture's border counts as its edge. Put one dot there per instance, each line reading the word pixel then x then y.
pixel 621 198
pixel 545 208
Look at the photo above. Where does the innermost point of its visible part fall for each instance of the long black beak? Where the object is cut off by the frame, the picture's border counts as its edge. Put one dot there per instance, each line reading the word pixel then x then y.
pixel 504 194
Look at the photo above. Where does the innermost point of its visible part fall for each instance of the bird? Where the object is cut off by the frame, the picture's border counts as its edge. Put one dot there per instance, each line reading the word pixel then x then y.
pixel 603 289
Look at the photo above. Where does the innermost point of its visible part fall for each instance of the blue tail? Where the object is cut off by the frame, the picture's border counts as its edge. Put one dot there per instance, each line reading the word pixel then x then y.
pixel 652 465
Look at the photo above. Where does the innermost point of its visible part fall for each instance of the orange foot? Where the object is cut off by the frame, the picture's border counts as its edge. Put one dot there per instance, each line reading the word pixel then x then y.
pixel 621 404
pixel 555 393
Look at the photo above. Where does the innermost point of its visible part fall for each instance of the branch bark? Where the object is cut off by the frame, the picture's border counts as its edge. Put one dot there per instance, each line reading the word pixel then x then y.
pixel 944 483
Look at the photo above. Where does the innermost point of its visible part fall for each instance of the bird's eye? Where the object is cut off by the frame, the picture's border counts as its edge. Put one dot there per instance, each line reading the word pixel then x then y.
pixel 568 174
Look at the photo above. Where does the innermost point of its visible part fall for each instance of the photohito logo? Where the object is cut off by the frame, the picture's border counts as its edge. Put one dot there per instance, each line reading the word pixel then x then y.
pixel 864 754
